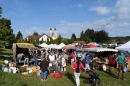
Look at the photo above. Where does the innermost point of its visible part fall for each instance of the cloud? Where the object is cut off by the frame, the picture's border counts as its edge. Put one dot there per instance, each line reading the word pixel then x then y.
pixel 80 5
pixel 122 9
pixel 101 10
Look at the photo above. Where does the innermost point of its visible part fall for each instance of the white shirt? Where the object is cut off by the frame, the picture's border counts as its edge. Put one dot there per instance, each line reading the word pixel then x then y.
pixel 52 58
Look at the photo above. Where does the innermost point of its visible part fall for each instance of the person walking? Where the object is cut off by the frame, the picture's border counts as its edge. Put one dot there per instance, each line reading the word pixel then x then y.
pixel 44 68
pixel 76 66
pixel 121 59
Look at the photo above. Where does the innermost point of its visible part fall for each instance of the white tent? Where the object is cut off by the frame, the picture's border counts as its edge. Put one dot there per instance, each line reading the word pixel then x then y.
pixel 93 43
pixel 60 46
pixel 125 46
pixel 43 45
pixel 54 46
pixel 99 49
pixel 49 46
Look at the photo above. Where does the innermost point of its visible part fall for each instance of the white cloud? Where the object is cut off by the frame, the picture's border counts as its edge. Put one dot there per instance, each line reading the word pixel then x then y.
pixel 122 9
pixel 101 10
pixel 80 5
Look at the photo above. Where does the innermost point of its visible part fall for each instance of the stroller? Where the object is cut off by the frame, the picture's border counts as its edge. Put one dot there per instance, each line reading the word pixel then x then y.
pixel 93 78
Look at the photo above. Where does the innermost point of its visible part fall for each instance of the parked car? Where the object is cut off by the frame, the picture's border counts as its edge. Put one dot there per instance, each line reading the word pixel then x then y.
pixel 8 46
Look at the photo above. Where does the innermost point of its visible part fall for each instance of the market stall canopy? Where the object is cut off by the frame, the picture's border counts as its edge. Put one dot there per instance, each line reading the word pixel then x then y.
pixel 125 46
pixel 49 46
pixel 90 46
pixel 100 49
pixel 43 45
pixel 61 45
pixel 93 43
pixel 69 47
pixel 25 45
pixel 54 46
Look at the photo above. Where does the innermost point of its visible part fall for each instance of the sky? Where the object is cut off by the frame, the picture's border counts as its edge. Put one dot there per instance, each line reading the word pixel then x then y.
pixel 67 16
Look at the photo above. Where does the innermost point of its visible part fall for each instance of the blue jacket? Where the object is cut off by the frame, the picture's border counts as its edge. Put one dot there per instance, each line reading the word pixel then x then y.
pixel 88 59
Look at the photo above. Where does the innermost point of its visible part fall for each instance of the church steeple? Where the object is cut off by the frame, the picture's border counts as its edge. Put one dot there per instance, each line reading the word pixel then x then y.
pixel 55 33
pixel 50 32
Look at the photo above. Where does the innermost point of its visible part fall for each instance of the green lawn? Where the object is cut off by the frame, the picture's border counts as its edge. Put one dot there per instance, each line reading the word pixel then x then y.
pixel 5 51
pixel 107 79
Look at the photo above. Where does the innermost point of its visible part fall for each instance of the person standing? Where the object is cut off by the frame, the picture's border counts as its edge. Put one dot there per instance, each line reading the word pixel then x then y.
pixel 72 57
pixel 63 64
pixel 52 60
pixel 87 62
pixel 76 66
pixel 121 59
pixel 44 68
pixel 58 62
pixel 83 57
pixel 35 57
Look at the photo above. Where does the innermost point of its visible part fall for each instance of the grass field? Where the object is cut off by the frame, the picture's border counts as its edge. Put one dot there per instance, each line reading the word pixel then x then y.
pixel 107 79
pixel 5 51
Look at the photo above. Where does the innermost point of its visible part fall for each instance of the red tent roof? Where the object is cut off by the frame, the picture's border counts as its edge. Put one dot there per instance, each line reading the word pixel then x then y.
pixel 90 46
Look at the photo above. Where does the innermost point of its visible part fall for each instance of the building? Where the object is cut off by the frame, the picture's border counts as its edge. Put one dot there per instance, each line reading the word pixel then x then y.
pixel 42 37
pixel 53 35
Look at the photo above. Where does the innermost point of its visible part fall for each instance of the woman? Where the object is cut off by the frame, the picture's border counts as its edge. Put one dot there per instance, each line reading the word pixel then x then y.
pixel 44 68
pixel 121 59
pixel 77 65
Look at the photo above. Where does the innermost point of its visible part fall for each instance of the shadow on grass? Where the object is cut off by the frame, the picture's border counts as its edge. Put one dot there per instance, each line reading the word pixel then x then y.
pixel 110 73
pixel 5 58
pixel 69 75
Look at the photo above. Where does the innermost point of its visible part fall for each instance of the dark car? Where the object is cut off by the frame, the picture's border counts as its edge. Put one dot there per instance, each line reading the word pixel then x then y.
pixel 8 46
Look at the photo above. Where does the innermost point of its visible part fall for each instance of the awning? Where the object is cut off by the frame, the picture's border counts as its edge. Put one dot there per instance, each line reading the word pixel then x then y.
pixel 100 49
pixel 25 45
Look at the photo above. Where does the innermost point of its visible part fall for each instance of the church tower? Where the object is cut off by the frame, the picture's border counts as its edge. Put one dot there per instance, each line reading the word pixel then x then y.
pixel 55 33
pixel 50 32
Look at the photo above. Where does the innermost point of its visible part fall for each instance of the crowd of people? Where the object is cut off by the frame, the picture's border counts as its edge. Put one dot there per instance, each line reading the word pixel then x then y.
pixel 56 61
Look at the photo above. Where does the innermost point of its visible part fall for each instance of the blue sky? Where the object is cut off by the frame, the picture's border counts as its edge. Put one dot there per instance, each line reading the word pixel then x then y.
pixel 68 16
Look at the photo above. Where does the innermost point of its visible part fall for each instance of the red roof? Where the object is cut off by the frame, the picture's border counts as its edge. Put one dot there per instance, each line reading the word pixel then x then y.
pixel 81 42
pixel 33 37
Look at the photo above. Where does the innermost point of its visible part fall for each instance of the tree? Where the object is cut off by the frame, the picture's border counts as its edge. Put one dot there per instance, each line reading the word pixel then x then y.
pixel 6 33
pixel 19 36
pixel 90 33
pixel 101 36
pixel 82 35
pixel 73 37
pixel 35 34
pixel 48 41
pixel 59 39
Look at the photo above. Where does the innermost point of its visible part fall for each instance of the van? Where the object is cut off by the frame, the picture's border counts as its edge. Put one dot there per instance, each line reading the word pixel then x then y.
pixel 21 48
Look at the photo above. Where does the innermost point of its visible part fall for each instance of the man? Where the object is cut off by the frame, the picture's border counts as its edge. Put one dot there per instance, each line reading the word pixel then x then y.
pixel 35 57
pixel 83 57
pixel 87 62
pixel 121 59
pixel 52 61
